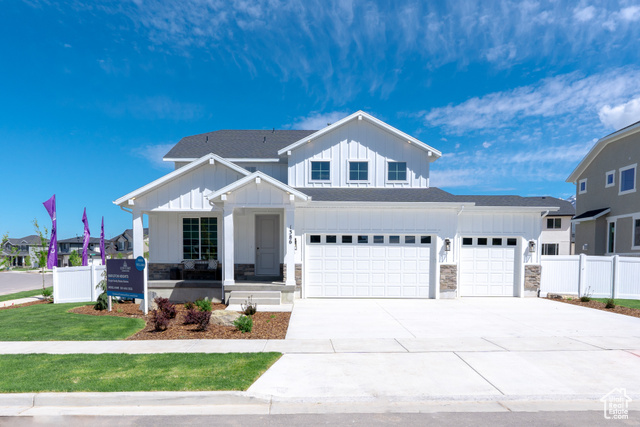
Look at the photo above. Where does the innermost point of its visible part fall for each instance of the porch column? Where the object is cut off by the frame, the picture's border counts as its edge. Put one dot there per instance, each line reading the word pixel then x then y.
pixel 138 234
pixel 289 248
pixel 228 264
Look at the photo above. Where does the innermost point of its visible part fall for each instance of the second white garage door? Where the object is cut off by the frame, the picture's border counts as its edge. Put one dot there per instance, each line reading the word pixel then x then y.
pixel 374 266
pixel 487 266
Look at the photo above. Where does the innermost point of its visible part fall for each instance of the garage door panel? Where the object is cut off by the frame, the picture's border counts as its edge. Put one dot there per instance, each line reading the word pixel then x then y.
pixel 487 270
pixel 395 270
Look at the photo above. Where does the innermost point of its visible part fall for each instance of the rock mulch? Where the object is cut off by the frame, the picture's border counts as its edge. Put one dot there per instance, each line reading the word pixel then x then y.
pixel 266 325
pixel 600 306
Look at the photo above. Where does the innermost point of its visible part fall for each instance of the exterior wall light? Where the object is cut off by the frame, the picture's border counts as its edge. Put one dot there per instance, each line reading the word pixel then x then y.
pixel 447 245
pixel 532 246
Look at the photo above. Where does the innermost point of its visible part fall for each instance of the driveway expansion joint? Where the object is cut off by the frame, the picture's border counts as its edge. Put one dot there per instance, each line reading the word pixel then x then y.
pixel 477 372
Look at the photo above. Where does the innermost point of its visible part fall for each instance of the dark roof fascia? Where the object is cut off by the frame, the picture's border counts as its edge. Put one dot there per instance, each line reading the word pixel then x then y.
pixel 591 215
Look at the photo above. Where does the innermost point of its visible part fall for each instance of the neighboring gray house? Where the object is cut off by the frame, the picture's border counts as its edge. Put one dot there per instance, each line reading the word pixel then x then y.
pixel 66 246
pixel 607 203
pixel 122 244
pixel 20 249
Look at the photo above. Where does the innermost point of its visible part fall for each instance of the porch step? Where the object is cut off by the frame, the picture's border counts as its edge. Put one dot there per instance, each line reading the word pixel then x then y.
pixel 257 297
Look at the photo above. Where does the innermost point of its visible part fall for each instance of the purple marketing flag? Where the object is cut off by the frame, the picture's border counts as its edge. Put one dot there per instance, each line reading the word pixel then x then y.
pixel 87 235
pixel 52 257
pixel 102 242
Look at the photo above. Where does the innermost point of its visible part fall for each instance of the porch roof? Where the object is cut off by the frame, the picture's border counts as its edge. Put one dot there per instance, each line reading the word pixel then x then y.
pixel 253 178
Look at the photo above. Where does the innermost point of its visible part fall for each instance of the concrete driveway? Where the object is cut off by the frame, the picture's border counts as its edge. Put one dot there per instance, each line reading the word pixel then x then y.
pixel 468 349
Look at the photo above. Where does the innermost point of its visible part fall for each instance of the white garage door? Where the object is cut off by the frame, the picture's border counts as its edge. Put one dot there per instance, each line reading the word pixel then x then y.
pixel 376 266
pixel 487 266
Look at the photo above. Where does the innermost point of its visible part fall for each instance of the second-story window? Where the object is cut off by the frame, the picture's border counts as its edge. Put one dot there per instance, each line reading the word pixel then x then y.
pixel 320 171
pixel 358 171
pixel 397 171
pixel 628 179
pixel 554 223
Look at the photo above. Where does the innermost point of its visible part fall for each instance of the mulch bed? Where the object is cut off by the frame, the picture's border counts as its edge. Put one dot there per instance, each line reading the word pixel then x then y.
pixel 266 325
pixel 601 306
pixel 25 304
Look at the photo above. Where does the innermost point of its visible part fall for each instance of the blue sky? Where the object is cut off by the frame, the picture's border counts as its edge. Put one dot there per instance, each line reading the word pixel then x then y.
pixel 513 93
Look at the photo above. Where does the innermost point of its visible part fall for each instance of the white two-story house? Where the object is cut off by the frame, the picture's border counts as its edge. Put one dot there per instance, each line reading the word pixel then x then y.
pixel 343 212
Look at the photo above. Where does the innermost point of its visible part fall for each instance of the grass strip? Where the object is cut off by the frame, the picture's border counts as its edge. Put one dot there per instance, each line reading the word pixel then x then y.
pixel 52 322
pixel 631 303
pixel 24 294
pixel 32 373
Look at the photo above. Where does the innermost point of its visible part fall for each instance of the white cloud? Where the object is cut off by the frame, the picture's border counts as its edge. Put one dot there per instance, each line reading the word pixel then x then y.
pixel 317 121
pixel 154 153
pixel 486 144
pixel 565 98
pixel 631 13
pixel 584 14
pixel 621 115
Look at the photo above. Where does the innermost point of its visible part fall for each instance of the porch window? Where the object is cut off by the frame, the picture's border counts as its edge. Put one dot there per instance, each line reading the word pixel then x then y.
pixel 200 238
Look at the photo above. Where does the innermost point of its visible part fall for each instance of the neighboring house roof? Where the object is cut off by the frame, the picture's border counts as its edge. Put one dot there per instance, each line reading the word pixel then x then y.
pixel 564 208
pixel 176 173
pixel 599 146
pixel 32 239
pixel 80 240
pixel 591 215
pixel 129 233
pixel 235 144
pixel 361 115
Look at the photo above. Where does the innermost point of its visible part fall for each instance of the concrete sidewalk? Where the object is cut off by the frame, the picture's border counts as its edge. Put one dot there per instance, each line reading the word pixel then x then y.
pixel 19 301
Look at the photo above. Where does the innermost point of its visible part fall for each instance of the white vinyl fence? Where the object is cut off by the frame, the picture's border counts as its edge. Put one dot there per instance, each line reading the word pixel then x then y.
pixel 76 284
pixel 599 276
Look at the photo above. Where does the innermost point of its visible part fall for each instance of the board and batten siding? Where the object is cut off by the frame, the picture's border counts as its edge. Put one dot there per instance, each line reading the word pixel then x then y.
pixel 275 170
pixel 359 141
pixel 188 191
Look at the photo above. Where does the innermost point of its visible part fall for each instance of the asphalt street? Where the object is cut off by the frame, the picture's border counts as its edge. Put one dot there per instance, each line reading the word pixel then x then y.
pixel 11 282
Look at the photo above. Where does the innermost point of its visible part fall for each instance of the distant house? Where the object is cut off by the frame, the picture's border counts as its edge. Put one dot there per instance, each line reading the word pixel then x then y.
pixel 607 200
pixel 556 235
pixel 20 249
pixel 66 246
pixel 122 244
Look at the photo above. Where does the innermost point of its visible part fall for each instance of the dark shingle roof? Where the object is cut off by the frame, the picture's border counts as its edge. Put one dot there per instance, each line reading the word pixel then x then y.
pixel 31 239
pixel 234 144
pixel 591 214
pixel 80 239
pixel 430 195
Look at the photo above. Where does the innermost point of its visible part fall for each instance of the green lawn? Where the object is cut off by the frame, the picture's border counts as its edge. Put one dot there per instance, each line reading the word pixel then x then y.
pixel 631 303
pixel 25 294
pixel 51 322
pixel 131 372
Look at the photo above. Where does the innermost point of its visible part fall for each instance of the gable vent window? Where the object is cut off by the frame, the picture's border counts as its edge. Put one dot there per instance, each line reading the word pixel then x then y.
pixel 397 171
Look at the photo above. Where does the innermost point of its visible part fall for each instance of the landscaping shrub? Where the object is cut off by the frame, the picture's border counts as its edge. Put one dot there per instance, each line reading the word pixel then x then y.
pixel 249 308
pixel 47 293
pixel 203 304
pixel 243 324
pixel 188 305
pixel 166 307
pixel 587 295
pixel 102 303
pixel 610 303
pixel 191 317
pixel 202 318
pixel 160 320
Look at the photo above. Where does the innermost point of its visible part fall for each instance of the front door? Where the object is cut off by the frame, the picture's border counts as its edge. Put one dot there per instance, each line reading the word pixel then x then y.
pixel 267 245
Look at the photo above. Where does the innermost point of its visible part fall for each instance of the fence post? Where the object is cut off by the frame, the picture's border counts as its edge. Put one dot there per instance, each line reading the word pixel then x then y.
pixel 615 280
pixel 582 277
pixel 55 284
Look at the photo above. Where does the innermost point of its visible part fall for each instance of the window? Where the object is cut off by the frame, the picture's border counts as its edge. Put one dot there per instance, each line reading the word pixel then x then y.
pixel 397 171
pixel 347 239
pixel 512 242
pixel 582 186
pixel 358 171
pixel 610 179
pixel 467 241
pixel 611 246
pixel 549 249
pixel 482 241
pixel 425 240
pixel 409 239
pixel 636 232
pixel 363 239
pixel 554 223
pixel 394 239
pixel 314 239
pixel 378 239
pixel 332 239
pixel 320 171
pixel 200 238
pixel 628 179
pixel 496 242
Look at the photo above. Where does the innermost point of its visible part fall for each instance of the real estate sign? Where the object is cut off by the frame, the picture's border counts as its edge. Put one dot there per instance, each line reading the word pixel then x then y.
pixel 124 279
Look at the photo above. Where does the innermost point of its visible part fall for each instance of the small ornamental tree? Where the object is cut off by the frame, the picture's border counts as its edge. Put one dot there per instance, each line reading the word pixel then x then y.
pixel 74 259
pixel 42 253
